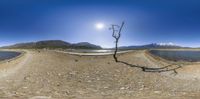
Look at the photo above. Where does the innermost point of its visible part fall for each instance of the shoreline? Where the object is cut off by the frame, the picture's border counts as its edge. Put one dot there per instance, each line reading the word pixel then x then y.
pixel 22 53
pixel 158 58
pixel 91 54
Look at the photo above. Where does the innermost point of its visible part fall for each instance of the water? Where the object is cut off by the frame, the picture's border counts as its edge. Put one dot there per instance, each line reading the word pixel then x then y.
pixel 8 55
pixel 190 56
pixel 89 51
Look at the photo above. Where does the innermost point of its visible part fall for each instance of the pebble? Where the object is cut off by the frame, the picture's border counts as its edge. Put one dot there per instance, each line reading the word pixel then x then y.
pixel 89 81
pixel 98 78
pixel 122 88
pixel 25 87
pixel 59 74
pixel 105 87
pixel 157 92
pixel 72 73
pixel 40 97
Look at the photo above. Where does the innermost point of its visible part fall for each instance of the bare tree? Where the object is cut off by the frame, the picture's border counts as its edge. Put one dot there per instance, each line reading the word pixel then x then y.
pixel 116 34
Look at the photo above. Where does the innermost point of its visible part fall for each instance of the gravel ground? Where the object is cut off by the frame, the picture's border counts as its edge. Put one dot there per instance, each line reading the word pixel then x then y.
pixel 56 75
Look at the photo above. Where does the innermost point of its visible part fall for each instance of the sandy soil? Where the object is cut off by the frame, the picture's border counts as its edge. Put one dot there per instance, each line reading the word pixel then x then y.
pixel 56 75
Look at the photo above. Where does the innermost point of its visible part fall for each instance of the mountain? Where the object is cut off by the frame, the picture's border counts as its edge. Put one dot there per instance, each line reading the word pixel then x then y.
pixel 153 45
pixel 53 44
pixel 85 45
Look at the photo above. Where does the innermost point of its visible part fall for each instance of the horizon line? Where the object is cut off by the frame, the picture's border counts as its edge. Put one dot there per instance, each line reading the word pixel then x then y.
pixel 34 41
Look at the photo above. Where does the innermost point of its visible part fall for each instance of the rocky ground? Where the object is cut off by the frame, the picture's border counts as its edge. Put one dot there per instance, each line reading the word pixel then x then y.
pixel 56 75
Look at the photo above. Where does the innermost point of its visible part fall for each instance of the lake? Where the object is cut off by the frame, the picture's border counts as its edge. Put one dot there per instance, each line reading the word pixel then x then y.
pixel 189 56
pixel 89 51
pixel 4 55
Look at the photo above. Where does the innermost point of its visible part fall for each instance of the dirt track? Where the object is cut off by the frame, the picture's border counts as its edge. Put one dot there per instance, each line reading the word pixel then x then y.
pixel 53 75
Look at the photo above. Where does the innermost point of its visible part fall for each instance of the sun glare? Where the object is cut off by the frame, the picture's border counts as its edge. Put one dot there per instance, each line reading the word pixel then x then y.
pixel 99 26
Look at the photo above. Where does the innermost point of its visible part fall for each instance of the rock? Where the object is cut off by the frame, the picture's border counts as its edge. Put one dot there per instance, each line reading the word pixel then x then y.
pixel 141 89
pixel 59 74
pixel 122 88
pixel 76 60
pixel 24 87
pixel 81 92
pixel 48 73
pixel 105 87
pixel 72 73
pixel 89 81
pixel 40 97
pixel 157 92
pixel 98 78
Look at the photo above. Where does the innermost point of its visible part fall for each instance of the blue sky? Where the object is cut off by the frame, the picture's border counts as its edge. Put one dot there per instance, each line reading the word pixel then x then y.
pixel 146 21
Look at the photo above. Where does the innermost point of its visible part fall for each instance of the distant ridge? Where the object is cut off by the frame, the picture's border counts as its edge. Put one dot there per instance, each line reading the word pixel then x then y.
pixel 52 44
pixel 154 46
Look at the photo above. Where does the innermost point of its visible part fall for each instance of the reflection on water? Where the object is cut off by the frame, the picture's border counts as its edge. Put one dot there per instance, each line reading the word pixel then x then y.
pixel 8 55
pixel 89 51
pixel 191 56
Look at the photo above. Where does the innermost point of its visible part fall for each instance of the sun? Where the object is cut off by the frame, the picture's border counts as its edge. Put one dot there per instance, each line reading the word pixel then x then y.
pixel 99 26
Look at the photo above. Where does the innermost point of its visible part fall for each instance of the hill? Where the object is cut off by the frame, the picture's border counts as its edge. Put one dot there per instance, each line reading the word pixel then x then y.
pixel 51 44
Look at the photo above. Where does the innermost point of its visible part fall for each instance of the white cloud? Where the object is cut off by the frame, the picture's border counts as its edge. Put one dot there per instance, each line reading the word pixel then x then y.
pixel 169 44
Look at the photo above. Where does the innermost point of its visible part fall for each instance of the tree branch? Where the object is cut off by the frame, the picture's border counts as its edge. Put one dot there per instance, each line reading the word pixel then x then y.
pixel 116 33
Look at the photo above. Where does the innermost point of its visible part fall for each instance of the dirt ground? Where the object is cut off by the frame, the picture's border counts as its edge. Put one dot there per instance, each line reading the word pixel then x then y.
pixel 57 75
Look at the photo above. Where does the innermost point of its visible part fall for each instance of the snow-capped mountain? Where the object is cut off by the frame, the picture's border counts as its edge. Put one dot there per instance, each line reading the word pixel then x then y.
pixel 153 45
pixel 166 44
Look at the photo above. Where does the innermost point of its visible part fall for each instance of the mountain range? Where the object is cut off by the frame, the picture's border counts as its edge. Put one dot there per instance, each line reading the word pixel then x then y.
pixel 153 45
pixel 52 44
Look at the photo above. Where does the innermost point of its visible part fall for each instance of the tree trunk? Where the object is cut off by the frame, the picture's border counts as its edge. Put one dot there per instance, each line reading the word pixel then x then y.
pixel 116 49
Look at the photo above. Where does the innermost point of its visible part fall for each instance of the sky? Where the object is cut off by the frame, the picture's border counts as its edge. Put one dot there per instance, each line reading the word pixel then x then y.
pixel 146 21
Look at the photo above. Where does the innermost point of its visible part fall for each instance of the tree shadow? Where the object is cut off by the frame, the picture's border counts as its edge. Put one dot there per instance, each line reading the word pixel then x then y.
pixel 171 67
pixel 116 34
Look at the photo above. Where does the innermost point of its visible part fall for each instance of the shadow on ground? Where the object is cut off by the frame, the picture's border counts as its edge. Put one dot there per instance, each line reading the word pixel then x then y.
pixel 171 67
